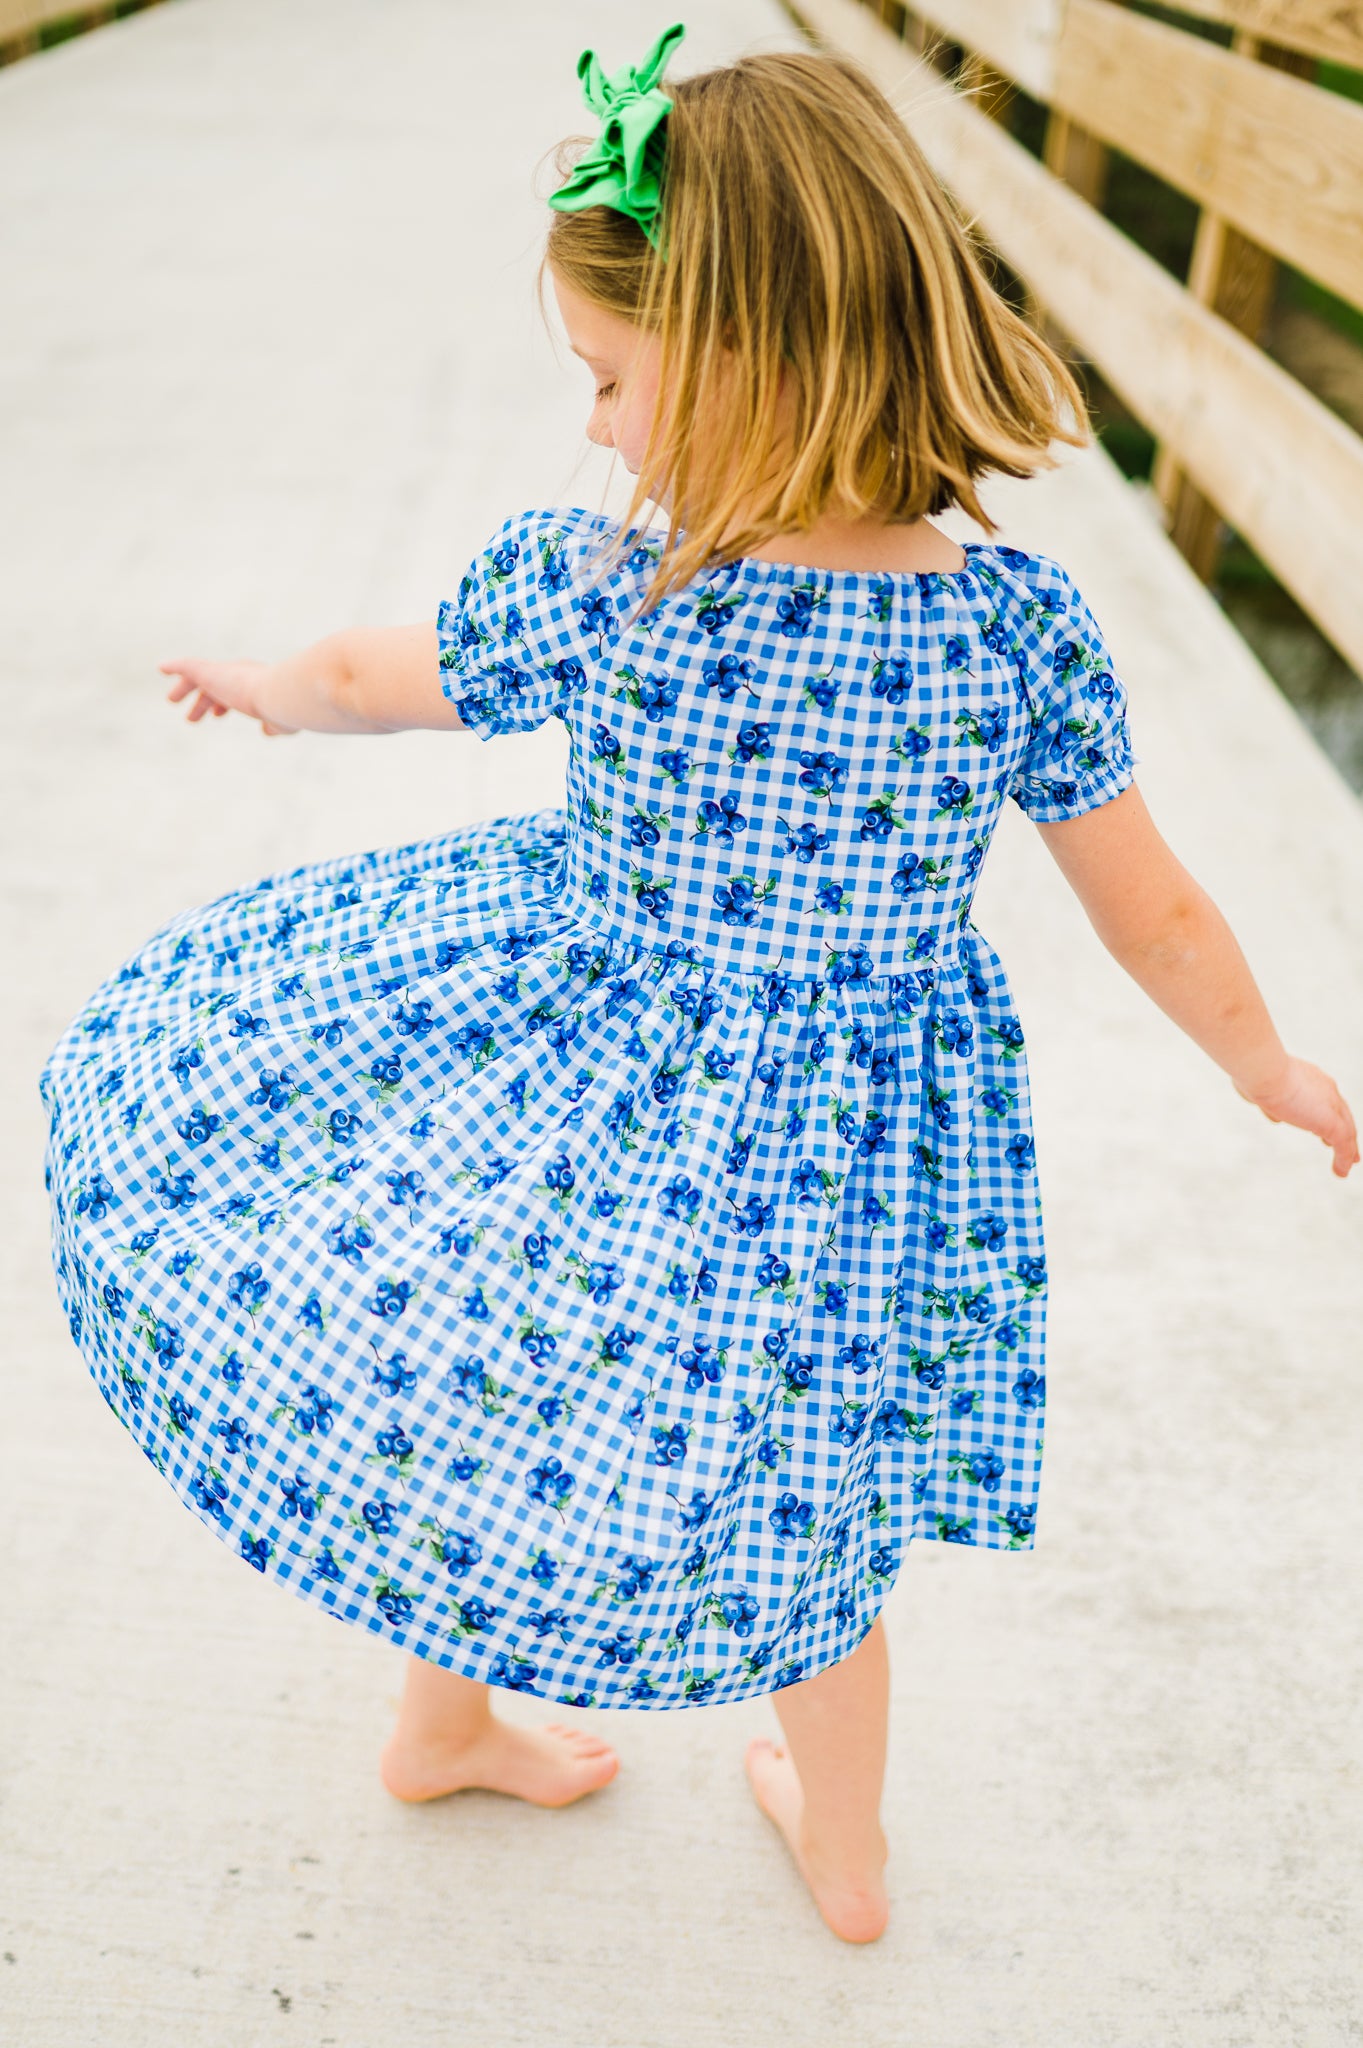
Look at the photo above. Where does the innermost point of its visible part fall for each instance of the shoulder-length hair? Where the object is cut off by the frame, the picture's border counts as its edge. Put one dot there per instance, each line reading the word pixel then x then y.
pixel 830 341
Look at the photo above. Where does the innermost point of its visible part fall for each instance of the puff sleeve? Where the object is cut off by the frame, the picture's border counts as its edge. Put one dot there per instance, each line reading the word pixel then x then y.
pixel 516 642
pixel 1078 753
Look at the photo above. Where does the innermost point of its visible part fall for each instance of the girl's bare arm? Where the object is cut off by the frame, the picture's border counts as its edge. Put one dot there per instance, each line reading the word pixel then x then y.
pixel 369 679
pixel 1164 929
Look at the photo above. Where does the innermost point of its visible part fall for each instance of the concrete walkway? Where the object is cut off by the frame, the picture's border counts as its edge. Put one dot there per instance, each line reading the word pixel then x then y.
pixel 271 365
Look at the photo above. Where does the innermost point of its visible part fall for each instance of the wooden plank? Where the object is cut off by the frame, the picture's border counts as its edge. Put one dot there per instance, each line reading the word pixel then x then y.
pixel 1077 157
pixel 1017 36
pixel 21 20
pixel 1284 471
pixel 1271 153
pixel 1318 28
pixel 1024 33
pixel 912 30
pixel 992 91
pixel 17 17
pixel 1235 278
pixel 1082 163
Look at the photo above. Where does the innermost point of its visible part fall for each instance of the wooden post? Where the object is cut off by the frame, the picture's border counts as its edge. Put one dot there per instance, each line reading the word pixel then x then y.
pixel 992 91
pixel 1076 156
pixel 26 42
pixel 1070 153
pixel 1286 471
pixel 1235 279
pixel 908 26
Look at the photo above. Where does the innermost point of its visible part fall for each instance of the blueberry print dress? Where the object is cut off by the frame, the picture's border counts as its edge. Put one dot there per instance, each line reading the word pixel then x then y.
pixel 587 1248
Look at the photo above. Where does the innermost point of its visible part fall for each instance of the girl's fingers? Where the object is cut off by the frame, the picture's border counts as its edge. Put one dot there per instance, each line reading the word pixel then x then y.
pixel 216 686
pixel 1317 1106
pixel 189 682
pixel 1345 1140
pixel 1335 1128
pixel 183 671
pixel 194 675
pixel 202 705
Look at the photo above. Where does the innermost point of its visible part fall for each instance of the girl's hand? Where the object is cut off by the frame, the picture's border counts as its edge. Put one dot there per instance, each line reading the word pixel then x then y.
pixel 220 687
pixel 1309 1099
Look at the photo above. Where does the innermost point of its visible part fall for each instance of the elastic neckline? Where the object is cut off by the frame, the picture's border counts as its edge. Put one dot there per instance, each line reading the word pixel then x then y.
pixel 802 571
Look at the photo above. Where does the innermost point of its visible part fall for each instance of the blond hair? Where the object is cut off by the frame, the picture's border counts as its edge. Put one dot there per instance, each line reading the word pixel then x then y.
pixel 809 250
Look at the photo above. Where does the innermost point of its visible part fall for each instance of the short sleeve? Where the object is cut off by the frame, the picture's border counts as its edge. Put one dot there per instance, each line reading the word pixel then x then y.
pixel 516 642
pixel 1078 754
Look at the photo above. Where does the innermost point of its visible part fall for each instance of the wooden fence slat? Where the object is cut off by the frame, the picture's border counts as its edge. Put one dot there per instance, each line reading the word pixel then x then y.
pixel 1020 35
pixel 992 91
pixel 1285 472
pixel 1273 154
pixel 1236 278
pixel 1017 36
pixel 1077 157
pixel 1318 28
pixel 18 17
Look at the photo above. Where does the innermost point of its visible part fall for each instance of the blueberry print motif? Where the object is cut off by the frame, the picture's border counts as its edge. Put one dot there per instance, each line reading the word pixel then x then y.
pixel 586 1249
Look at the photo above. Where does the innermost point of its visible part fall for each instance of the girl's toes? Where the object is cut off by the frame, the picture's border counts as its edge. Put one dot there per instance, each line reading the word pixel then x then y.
pixel 580 1740
pixel 592 1772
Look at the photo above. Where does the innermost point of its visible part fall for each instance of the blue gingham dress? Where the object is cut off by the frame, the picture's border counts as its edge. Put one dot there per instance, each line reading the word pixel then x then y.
pixel 586 1248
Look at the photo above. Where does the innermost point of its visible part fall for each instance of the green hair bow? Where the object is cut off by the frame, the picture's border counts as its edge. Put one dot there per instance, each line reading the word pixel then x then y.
pixel 623 170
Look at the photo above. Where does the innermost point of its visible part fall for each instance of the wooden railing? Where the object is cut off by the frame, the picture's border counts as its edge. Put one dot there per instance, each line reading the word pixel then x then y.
pixel 1275 163
pixel 23 23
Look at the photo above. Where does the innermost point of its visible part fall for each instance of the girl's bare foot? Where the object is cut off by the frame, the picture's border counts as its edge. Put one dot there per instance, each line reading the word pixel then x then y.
pixel 550 1766
pixel 850 1896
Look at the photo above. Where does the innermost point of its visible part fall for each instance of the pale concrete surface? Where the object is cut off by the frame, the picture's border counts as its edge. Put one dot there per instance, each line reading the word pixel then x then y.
pixel 270 364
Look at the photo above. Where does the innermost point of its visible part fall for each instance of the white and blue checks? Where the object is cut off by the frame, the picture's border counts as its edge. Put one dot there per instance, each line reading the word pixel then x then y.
pixel 587 1249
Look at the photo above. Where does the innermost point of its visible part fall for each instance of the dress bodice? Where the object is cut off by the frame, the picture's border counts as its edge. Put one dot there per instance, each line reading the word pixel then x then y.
pixel 784 768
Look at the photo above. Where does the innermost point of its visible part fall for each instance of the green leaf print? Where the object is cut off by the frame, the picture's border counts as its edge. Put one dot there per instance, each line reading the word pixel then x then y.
pixel 929 1163
pixel 880 814
pixel 464 1467
pixel 595 818
pixel 910 744
pixel 133 1385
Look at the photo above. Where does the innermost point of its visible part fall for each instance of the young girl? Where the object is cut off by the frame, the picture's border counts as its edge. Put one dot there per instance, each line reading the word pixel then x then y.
pixel 587 1249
